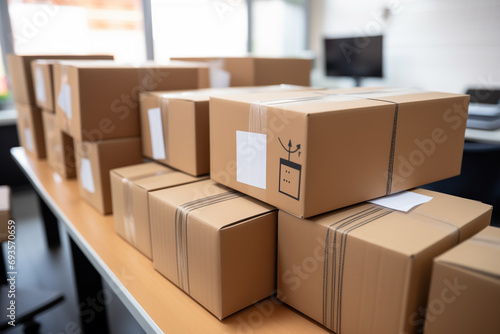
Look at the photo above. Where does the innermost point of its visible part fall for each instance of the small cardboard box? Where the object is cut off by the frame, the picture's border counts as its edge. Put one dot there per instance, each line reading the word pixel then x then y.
pixel 312 152
pixel 367 268
pixel 21 76
pixel 216 244
pixel 59 147
pixel 129 189
pixel 30 130
pixel 255 71
pixel 465 289
pixel 95 160
pixel 100 100
pixel 4 212
pixel 174 125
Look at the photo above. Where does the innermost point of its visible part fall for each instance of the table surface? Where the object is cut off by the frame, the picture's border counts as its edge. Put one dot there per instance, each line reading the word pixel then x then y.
pixel 156 303
pixel 483 136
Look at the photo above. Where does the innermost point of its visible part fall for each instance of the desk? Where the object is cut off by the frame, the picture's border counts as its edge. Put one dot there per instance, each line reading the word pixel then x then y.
pixel 483 136
pixel 158 305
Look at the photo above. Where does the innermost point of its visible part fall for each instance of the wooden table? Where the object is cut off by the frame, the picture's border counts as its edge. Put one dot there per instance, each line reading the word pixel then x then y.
pixel 158 305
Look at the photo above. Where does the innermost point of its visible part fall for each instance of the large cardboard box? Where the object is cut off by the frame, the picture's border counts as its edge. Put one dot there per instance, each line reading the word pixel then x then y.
pixel 30 130
pixel 312 152
pixel 465 290
pixel 174 125
pixel 216 244
pixel 100 100
pixel 95 160
pixel 21 76
pixel 4 212
pixel 256 71
pixel 129 192
pixel 59 147
pixel 367 268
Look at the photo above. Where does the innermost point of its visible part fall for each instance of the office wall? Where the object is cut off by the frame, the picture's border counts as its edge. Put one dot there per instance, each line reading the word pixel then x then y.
pixel 445 45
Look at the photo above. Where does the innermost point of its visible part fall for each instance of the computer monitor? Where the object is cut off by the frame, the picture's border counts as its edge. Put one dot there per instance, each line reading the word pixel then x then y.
pixel 356 57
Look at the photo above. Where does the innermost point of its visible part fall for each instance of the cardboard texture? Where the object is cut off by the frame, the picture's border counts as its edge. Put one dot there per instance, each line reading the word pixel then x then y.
pixel 312 152
pixel 21 78
pixel 95 160
pixel 465 290
pixel 96 101
pixel 256 71
pixel 30 130
pixel 129 189
pixel 216 244
pixel 366 268
pixel 4 212
pixel 59 147
pixel 174 125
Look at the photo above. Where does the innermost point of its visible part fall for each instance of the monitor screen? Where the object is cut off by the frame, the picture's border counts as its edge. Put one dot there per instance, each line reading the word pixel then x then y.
pixel 354 57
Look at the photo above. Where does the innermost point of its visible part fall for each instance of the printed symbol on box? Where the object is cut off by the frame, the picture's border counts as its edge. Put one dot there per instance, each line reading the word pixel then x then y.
pixel 290 173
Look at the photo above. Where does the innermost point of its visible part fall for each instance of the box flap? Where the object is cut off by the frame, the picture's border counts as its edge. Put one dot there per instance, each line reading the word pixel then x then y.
pixel 480 253
pixel 139 170
pixel 210 199
pixel 171 179
pixel 120 65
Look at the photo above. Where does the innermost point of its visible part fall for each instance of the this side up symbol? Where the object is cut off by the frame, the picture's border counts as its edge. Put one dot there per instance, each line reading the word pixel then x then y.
pixel 290 172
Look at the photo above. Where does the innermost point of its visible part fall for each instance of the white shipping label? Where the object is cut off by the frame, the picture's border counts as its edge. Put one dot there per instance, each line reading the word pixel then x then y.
pixel 402 201
pixel 251 153
pixel 156 129
pixel 87 177
pixel 64 99
pixel 219 78
pixel 28 138
pixel 39 85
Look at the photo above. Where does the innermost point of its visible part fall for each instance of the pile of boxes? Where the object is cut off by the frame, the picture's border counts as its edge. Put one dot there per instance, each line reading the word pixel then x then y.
pixel 308 194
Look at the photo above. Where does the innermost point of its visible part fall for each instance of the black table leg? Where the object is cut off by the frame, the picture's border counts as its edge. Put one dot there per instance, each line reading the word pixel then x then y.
pixel 3 268
pixel 50 224
pixel 92 298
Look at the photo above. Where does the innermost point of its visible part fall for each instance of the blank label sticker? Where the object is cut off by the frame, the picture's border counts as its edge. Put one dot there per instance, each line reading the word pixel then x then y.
pixel 87 178
pixel 29 139
pixel 403 201
pixel 39 85
pixel 251 152
pixel 64 99
pixel 156 129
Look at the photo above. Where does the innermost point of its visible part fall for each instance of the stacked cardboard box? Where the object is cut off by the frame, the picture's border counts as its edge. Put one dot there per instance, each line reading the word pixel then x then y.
pixel 256 71
pixel 30 128
pixel 97 104
pixel 174 125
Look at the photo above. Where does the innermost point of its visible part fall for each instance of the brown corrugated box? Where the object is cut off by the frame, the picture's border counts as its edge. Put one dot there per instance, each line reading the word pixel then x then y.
pixel 4 212
pixel 366 268
pixel 256 71
pixel 174 125
pixel 312 152
pixel 30 130
pixel 465 290
pixel 94 161
pixel 100 100
pixel 21 77
pixel 129 192
pixel 216 244
pixel 59 147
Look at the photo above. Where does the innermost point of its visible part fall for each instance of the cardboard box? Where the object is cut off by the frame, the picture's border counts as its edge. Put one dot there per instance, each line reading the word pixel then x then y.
pixel 30 130
pixel 21 78
pixel 367 268
pixel 4 212
pixel 216 244
pixel 465 289
pixel 129 189
pixel 312 152
pixel 174 125
pixel 94 162
pixel 59 147
pixel 255 71
pixel 100 100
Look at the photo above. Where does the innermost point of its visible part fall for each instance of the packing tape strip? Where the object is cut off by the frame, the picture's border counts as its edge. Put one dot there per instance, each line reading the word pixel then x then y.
pixel 181 237
pixel 128 214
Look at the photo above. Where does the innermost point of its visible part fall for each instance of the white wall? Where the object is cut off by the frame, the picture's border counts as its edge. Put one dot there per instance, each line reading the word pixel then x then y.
pixel 445 45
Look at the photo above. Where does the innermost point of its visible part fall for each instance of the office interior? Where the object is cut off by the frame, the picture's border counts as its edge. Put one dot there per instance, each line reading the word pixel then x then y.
pixel 430 45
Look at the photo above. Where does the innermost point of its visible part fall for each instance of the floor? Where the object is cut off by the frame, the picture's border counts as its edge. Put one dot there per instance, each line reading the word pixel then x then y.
pixel 42 268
